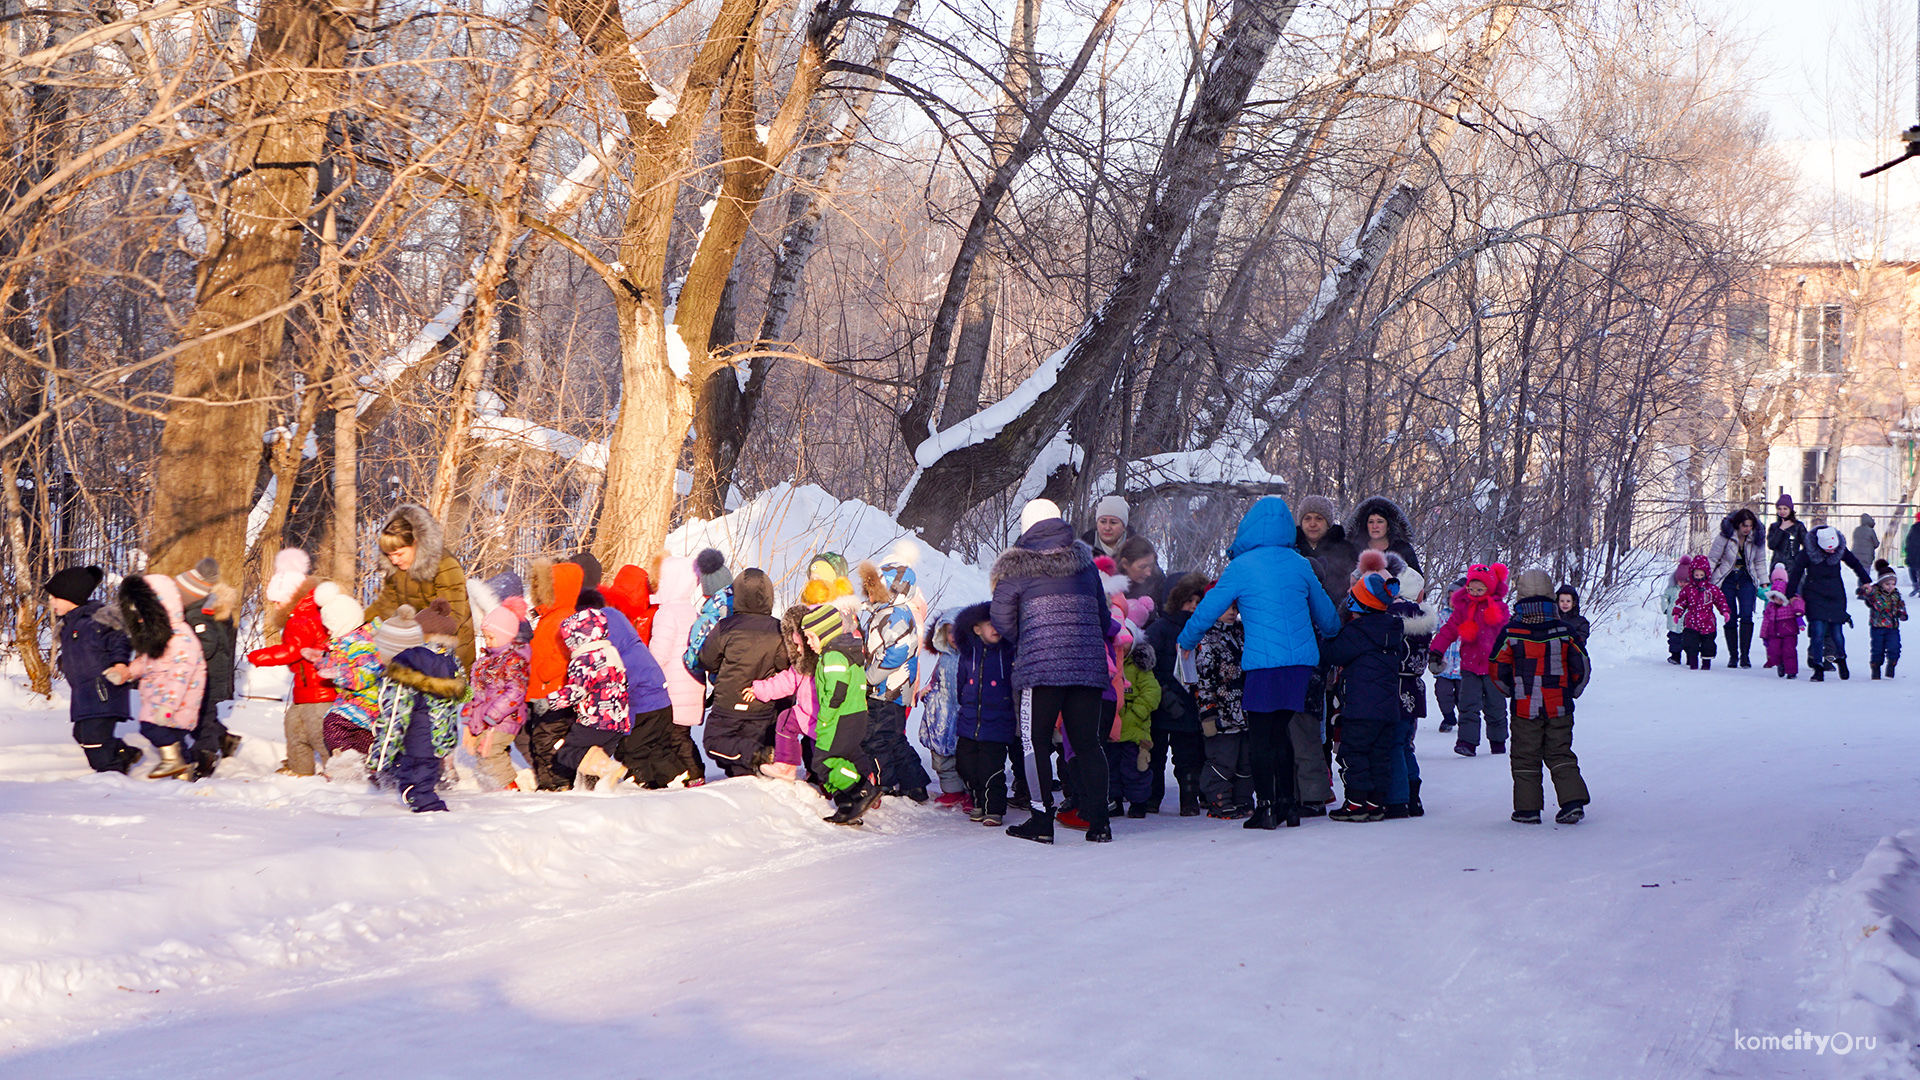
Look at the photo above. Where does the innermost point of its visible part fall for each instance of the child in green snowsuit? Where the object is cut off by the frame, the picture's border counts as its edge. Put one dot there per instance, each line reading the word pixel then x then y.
pixel 845 770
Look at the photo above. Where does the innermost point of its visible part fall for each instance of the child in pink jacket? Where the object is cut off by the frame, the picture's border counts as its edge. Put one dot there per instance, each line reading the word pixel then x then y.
pixel 498 707
pixel 1780 627
pixel 1702 607
pixel 1479 616
pixel 794 681
pixel 169 664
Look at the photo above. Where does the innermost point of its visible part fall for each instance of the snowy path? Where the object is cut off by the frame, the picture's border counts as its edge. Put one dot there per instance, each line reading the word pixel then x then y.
pixel 301 930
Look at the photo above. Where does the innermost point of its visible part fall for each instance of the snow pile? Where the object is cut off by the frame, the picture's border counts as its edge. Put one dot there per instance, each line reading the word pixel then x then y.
pixel 1876 924
pixel 118 888
pixel 779 530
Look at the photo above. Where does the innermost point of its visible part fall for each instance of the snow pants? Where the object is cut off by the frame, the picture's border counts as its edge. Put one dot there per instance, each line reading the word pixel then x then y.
pixel 1479 698
pixel 1446 694
pixel 337 733
pixel 97 740
pixel 1698 645
pixel 1227 782
pixel 900 767
pixel 160 735
pixel 648 751
pixel 1366 752
pixel 1545 743
pixel 1885 643
pixel 691 763
pixel 545 732
pixel 947 768
pixel 1126 780
pixel 1076 710
pixel 304 726
pixel 495 767
pixel 739 745
pixel 1188 752
pixel 416 772
pixel 1270 750
pixel 581 738
pixel 1403 769
pixel 983 769
pixel 1783 652
pixel 1312 780
pixel 210 732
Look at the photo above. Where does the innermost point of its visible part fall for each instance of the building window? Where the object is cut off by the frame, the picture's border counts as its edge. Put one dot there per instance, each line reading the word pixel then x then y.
pixel 1818 339
pixel 1812 464
pixel 1747 340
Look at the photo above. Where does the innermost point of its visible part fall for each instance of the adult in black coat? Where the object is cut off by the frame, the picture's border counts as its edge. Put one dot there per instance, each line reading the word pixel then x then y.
pixel 1786 537
pixel 1323 540
pixel 1390 532
pixel 743 647
pixel 93 641
pixel 1814 577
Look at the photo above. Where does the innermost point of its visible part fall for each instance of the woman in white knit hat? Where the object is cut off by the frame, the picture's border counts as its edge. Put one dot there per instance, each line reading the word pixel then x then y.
pixel 1111 526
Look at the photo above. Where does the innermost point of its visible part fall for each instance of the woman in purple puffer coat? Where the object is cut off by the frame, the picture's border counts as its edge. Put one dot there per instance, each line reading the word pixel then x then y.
pixel 1049 604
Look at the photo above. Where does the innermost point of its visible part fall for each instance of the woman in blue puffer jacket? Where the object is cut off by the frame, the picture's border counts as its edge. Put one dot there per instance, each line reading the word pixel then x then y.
pixel 1285 611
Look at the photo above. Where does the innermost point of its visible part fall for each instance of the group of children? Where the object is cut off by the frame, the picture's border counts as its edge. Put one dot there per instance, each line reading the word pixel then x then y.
pixel 596 683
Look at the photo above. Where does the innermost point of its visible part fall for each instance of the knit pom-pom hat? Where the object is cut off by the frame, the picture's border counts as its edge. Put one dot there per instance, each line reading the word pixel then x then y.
pixel 1371 592
pixel 1371 562
pixel 711 565
pixel 290 567
pixel 339 612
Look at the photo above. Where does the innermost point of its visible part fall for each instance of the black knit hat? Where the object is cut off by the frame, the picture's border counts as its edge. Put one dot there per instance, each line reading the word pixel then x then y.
pixel 590 569
pixel 75 584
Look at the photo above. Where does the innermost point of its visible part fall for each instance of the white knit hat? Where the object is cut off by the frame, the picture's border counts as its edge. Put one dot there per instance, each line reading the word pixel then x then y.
pixel 1037 511
pixel 340 612
pixel 1111 506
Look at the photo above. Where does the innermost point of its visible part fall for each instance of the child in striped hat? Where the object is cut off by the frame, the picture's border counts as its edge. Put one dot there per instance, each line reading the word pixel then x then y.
pixel 1369 652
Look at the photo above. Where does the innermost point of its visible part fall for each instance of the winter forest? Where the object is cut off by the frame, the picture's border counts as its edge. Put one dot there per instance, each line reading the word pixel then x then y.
pixel 486 370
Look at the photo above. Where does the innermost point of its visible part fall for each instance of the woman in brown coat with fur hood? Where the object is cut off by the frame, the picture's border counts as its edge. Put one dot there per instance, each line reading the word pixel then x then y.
pixel 423 572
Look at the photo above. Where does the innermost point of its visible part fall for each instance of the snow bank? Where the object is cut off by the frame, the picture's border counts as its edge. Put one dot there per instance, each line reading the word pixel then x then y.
pixel 1875 924
pixel 779 529
pixel 117 889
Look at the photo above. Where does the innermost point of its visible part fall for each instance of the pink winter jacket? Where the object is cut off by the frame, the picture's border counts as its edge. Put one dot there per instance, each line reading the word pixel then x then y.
pixel 171 686
pixel 788 682
pixel 1783 620
pixel 499 691
pixel 1696 605
pixel 1476 625
pixel 672 624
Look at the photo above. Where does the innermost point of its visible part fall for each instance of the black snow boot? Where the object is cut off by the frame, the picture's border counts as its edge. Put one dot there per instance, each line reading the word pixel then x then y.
pixel 229 745
pixel 1674 659
pixel 1526 817
pixel 1746 643
pixel 1731 632
pixel 1819 675
pixel 1101 833
pixel 1396 810
pixel 1189 793
pixel 1693 663
pixel 1706 663
pixel 1137 810
pixel 1875 668
pixel 1571 813
pixel 204 763
pixel 1890 664
pixel 1038 828
pixel 1308 809
pixel 1356 808
pixel 1841 663
pixel 1414 809
pixel 1264 817
pixel 126 759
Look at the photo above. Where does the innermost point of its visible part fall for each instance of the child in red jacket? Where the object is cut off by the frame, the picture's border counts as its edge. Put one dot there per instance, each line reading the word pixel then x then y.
pixel 291 603
pixel 1696 607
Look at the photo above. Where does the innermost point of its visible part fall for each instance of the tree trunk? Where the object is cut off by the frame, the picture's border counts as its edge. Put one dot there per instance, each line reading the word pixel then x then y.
pixel 957 477
pixel 656 405
pixel 203 482
pixel 26 616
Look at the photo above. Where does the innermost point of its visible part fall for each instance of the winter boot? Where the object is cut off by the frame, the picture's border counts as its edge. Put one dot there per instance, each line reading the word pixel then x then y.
pixel 204 763
pixel 1038 828
pixel 1463 749
pixel 229 745
pixel 1841 663
pixel 1446 726
pixel 1526 817
pixel 1731 633
pixel 918 795
pixel 126 759
pixel 780 770
pixel 1308 809
pixel 1674 659
pixel 1100 834
pixel 1264 817
pixel 1890 663
pixel 853 804
pixel 1746 643
pixel 1116 808
pixel 1071 819
pixel 1693 663
pixel 1819 675
pixel 1780 672
pixel 1354 809
pixel 172 763
pixel 1414 809
pixel 1189 793
pixel 1875 668
pixel 1137 810
pixel 1706 663
pixel 978 813
pixel 1571 813
pixel 1498 746
pixel 598 763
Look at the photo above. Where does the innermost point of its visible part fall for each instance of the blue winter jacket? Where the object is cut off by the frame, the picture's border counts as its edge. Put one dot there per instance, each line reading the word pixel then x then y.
pixel 646 684
pixel 984 686
pixel 1048 603
pixel 91 641
pixel 1282 602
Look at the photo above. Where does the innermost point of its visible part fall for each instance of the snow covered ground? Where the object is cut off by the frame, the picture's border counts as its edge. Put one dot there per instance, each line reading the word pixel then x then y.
pixel 1732 881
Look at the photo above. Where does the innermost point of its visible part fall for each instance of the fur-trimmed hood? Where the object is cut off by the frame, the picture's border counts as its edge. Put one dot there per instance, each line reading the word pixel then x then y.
pixel 429 540
pixel 966 619
pixel 1399 529
pixel 222 602
pixel 799 656
pixel 1142 654
pixel 1019 562
pixel 453 689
